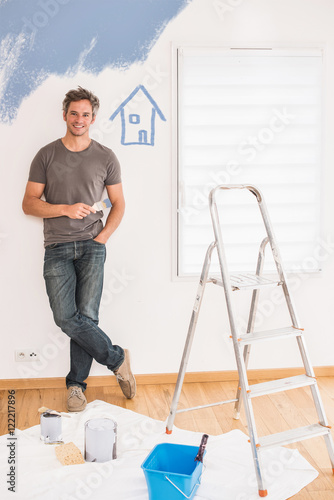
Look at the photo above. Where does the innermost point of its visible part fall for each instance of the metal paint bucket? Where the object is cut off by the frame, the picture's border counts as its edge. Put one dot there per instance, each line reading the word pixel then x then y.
pixel 100 440
pixel 51 428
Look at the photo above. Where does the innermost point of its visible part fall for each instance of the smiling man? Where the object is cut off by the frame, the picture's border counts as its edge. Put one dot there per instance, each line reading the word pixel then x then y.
pixel 72 173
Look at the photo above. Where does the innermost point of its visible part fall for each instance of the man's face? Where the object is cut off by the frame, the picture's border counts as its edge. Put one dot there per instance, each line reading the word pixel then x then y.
pixel 79 117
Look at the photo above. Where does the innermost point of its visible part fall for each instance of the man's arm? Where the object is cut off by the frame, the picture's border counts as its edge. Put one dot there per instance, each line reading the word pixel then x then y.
pixel 115 193
pixel 33 205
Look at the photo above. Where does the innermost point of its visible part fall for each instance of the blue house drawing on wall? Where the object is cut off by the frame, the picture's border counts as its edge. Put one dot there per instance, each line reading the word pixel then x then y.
pixel 138 128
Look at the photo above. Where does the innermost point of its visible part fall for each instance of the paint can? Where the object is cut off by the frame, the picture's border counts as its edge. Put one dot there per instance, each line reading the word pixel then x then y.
pixel 100 440
pixel 51 428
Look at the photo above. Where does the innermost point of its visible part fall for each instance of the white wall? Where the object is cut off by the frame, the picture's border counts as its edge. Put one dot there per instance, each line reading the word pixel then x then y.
pixel 143 308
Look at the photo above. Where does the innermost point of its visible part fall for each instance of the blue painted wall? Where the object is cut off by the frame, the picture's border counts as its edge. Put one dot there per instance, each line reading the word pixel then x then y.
pixel 41 37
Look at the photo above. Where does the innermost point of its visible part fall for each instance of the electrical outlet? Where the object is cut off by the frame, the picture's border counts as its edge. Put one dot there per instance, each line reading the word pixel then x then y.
pixel 27 355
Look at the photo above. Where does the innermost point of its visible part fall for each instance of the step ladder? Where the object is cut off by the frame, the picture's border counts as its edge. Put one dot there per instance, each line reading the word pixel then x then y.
pixel 242 343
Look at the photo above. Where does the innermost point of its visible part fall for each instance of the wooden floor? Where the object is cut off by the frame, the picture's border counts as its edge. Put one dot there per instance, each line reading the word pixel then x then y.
pixel 275 413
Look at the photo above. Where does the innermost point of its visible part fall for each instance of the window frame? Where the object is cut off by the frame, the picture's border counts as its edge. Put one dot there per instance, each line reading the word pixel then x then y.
pixel 296 49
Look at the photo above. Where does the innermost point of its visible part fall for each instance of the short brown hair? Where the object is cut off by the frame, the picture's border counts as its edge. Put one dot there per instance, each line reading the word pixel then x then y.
pixel 78 95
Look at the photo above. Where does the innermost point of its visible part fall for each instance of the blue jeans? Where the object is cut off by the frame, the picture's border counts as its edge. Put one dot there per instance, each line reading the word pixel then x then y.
pixel 73 274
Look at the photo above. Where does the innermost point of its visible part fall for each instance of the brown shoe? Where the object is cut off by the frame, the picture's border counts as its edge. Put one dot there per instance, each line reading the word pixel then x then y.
pixel 125 377
pixel 76 400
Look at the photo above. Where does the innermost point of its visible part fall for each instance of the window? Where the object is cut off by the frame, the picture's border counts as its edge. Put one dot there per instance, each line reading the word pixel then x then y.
pixel 134 118
pixel 249 117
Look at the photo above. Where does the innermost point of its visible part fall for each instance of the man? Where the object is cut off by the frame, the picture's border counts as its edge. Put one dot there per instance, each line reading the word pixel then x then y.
pixel 72 173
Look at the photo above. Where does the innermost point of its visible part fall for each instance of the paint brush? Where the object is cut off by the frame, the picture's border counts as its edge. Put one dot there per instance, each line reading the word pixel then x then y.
pixel 102 205
pixel 200 455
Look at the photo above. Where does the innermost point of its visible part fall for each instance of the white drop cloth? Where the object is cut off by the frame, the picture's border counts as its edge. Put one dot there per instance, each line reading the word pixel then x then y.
pixel 228 475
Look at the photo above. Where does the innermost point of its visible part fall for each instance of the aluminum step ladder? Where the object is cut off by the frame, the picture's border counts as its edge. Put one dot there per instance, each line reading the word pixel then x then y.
pixel 242 343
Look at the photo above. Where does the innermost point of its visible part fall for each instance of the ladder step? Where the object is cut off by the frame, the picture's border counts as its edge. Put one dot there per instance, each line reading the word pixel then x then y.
pixel 246 281
pixel 293 435
pixel 249 338
pixel 283 384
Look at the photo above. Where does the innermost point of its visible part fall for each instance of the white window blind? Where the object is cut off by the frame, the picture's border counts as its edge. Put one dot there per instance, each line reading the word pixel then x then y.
pixel 249 117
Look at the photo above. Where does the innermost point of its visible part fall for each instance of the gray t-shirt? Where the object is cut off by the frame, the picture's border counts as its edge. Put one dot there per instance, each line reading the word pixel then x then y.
pixel 74 177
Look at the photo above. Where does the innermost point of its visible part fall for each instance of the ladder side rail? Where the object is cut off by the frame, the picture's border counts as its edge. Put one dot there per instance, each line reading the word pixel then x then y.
pixel 319 405
pixel 305 356
pixel 330 448
pixel 254 440
pixel 277 258
pixel 256 292
pixel 223 264
pixel 190 337
pixel 251 321
pixel 278 261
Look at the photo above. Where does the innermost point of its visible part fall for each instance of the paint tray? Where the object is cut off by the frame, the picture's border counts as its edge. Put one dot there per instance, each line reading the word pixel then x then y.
pixel 171 472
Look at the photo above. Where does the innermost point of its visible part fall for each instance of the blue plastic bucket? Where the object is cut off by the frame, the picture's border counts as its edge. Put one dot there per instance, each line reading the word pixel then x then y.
pixel 171 472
